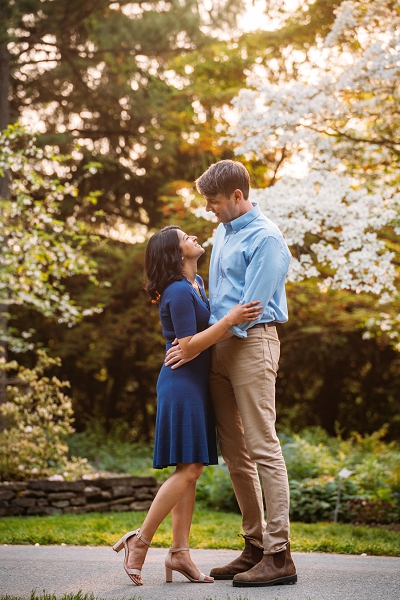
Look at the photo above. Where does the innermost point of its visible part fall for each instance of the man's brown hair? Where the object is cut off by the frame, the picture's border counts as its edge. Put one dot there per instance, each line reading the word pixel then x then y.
pixel 224 177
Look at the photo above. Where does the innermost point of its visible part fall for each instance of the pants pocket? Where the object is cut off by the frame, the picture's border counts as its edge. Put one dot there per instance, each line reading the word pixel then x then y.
pixel 274 353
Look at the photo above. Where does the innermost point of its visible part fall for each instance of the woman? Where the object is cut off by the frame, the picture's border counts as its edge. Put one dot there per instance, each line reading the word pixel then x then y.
pixel 185 435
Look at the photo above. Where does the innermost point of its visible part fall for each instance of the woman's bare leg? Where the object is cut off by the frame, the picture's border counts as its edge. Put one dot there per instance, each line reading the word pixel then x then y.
pixel 170 493
pixel 182 514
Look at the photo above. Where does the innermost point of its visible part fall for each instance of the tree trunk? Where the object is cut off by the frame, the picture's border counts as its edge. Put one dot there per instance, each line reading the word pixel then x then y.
pixel 330 397
pixel 4 108
pixel 5 194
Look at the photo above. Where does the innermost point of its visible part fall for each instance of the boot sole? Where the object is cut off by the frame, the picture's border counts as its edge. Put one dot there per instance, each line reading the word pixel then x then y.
pixel 223 577
pixel 288 580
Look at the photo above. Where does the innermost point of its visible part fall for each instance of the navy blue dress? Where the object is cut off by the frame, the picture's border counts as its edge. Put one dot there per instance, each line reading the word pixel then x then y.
pixel 185 430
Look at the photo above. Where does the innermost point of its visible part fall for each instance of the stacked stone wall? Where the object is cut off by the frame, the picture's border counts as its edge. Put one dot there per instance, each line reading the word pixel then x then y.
pixel 44 497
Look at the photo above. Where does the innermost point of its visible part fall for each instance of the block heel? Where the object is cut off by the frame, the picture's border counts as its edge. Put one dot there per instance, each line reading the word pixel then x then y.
pixel 122 543
pixel 168 575
pixel 169 568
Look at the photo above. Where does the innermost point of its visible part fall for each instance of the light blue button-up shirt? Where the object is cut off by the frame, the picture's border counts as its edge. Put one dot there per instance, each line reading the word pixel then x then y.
pixel 249 261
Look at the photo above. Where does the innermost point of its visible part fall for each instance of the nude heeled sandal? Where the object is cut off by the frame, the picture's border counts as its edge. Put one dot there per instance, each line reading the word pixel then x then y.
pixel 169 568
pixel 122 543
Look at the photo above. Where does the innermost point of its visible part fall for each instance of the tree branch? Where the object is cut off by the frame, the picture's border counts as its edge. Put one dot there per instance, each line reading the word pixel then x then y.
pixel 380 142
pixel 283 156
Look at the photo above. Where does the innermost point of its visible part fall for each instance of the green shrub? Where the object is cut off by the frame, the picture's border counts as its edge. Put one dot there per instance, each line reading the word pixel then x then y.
pixel 112 451
pixel 315 499
pixel 365 512
pixel 308 455
pixel 375 465
pixel 214 489
pixel 37 417
pixel 313 460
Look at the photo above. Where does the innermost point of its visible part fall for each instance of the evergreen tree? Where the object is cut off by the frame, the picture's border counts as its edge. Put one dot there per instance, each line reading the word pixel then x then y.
pixel 98 74
pixel 141 89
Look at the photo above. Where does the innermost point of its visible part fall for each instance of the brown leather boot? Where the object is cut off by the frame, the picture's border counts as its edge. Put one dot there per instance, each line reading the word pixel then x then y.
pixel 273 569
pixel 250 556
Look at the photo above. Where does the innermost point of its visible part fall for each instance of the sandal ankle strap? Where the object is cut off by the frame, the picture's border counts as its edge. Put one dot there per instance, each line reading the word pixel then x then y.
pixel 141 538
pixel 172 550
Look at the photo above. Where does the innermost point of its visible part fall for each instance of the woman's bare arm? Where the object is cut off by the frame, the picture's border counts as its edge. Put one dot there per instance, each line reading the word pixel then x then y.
pixel 187 348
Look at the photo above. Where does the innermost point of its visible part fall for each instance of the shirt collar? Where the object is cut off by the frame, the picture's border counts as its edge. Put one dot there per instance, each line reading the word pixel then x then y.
pixel 243 220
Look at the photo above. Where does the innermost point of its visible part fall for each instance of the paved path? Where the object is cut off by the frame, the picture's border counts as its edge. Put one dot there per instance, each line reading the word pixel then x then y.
pixel 67 569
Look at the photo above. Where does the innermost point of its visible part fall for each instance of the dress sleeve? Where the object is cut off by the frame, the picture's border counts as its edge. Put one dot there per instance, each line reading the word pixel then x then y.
pixel 182 310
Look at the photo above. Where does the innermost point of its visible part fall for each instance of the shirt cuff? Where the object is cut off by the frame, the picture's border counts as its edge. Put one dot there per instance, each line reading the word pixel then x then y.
pixel 237 332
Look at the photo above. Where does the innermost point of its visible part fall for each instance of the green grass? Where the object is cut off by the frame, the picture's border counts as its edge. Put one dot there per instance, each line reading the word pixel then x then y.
pixel 209 530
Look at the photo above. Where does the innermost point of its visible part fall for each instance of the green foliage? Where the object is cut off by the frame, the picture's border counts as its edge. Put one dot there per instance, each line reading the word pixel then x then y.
pixel 313 461
pixel 307 454
pixel 375 464
pixel 364 511
pixel 329 376
pixel 109 81
pixel 214 489
pixel 314 500
pixel 41 251
pixel 134 101
pixel 114 452
pixel 37 418
pixel 210 529
pixel 112 359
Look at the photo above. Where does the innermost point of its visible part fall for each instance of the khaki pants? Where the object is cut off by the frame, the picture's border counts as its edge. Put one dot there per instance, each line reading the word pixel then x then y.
pixel 242 382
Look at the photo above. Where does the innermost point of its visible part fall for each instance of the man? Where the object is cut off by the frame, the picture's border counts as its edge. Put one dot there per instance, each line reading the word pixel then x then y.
pixel 249 261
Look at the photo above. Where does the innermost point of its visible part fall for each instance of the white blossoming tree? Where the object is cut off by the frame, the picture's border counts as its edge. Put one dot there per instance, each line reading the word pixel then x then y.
pixel 38 252
pixel 340 122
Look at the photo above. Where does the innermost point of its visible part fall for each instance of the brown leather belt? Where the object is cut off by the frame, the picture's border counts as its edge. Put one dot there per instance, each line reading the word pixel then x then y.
pixel 270 324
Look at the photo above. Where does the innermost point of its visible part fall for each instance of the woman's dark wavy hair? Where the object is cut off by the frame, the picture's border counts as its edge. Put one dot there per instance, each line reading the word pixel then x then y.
pixel 163 262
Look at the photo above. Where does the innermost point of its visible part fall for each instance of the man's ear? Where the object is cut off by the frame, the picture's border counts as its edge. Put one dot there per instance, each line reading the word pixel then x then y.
pixel 238 195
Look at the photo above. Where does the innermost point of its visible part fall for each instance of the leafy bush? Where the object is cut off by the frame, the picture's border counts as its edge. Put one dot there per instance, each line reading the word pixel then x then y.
pixel 315 499
pixel 115 451
pixel 214 489
pixel 37 417
pixel 313 460
pixel 375 465
pixel 365 512
pixel 112 451
pixel 308 455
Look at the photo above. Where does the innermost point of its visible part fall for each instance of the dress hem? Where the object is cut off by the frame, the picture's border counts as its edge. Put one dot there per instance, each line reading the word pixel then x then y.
pixel 174 464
